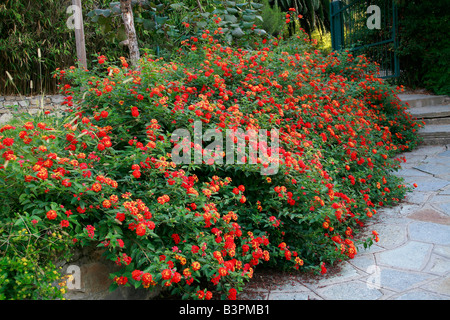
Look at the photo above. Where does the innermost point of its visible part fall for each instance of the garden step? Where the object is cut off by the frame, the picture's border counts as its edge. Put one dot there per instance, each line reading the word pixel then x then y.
pixel 432 115
pixel 431 112
pixel 437 121
pixel 435 134
pixel 424 100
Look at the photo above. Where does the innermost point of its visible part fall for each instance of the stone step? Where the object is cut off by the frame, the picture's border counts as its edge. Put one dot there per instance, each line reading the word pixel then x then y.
pixel 432 115
pixel 424 100
pixel 442 141
pixel 429 112
pixel 435 134
pixel 437 121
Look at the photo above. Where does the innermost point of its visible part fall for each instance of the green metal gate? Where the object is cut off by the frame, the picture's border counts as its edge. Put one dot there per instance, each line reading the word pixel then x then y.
pixel 367 27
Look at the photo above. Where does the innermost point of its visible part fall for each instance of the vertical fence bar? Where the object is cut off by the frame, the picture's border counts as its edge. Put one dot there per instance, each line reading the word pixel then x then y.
pixel 395 36
pixel 337 27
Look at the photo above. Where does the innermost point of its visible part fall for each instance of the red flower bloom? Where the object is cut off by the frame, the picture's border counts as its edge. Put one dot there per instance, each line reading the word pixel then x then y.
pixel 141 229
pixel 136 174
pixel 8 142
pixel 97 187
pixel 51 215
pixel 135 112
pixel 101 59
pixel 136 275
pixel 147 279
pixel 176 277
pixel 176 238
pixel 90 229
pixel 232 294
pixel 166 274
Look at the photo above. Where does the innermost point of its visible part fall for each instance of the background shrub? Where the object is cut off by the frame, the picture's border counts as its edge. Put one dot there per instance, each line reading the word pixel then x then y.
pixel 104 172
pixel 424 49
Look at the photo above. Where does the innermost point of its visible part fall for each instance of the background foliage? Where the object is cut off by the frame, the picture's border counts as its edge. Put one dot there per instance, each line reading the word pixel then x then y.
pixel 425 45
pixel 27 25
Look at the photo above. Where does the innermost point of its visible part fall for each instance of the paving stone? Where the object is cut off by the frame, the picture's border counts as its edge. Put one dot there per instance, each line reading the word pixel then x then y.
pixel 444 154
pixel 400 280
pixel 412 172
pixel 293 296
pixel 419 294
pixel 446 191
pixel 436 166
pixel 355 290
pixel 442 250
pixel 412 161
pixel 445 176
pixel 395 215
pixel 391 236
pixel 411 256
pixel 346 272
pixel 439 286
pixel 428 150
pixel 254 295
pixel 428 184
pixel 363 262
pixel 438 264
pixel 372 249
pixel 417 197
pixel 430 232
pixel 290 286
pixel 440 198
pixel 444 207
pixel 430 215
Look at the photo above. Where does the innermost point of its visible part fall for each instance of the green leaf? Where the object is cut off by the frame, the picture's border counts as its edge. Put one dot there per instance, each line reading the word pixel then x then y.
pixel 161 20
pixel 102 12
pixel 256 5
pixel 230 18
pixel 178 6
pixel 260 32
pixel 202 24
pixel 249 17
pixel 232 10
pixel 113 287
pixel 149 24
pixel 115 8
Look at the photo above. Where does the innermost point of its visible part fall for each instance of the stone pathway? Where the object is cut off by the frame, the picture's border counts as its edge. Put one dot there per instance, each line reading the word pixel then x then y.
pixel 410 262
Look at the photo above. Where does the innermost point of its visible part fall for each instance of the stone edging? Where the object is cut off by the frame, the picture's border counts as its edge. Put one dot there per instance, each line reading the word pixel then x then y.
pixel 29 104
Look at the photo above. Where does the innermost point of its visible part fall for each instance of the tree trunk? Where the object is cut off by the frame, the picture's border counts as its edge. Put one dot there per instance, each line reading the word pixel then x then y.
pixel 79 33
pixel 128 20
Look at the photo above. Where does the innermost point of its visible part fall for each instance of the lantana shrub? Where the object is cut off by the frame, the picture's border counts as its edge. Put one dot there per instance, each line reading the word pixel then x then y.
pixel 104 172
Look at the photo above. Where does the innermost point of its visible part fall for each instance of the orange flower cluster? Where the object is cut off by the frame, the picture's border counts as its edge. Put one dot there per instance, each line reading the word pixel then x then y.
pixel 108 164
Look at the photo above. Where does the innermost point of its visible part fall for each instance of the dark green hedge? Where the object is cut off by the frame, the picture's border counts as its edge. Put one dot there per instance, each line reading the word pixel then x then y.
pixel 424 51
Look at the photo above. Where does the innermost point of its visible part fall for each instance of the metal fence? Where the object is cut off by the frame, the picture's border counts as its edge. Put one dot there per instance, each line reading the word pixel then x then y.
pixel 367 27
